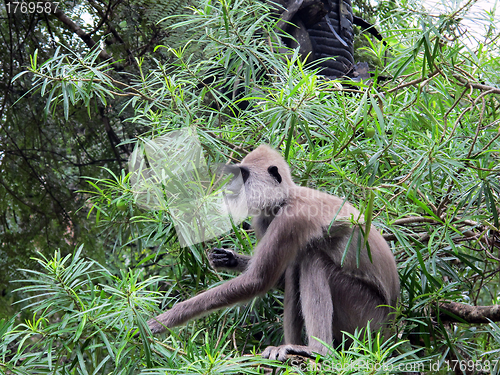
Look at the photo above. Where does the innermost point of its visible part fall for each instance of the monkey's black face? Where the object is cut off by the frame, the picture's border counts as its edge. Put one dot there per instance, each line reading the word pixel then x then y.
pixel 254 188
pixel 235 191
pixel 239 177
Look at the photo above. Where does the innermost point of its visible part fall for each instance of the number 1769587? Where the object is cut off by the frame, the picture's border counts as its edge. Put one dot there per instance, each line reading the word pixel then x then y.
pixel 31 7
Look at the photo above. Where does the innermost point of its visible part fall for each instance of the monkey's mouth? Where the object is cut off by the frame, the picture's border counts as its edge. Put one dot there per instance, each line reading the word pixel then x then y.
pixel 233 190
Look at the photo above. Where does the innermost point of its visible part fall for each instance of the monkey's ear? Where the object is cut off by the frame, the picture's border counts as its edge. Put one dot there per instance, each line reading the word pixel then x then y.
pixel 273 171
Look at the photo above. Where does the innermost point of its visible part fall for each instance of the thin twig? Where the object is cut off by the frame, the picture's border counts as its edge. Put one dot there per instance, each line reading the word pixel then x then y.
pixel 415 81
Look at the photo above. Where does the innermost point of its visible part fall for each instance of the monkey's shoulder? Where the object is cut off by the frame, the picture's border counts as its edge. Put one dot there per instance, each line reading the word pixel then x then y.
pixel 305 215
pixel 315 205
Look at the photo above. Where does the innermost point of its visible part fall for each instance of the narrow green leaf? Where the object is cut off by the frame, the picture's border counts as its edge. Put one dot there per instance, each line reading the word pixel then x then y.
pixel 368 221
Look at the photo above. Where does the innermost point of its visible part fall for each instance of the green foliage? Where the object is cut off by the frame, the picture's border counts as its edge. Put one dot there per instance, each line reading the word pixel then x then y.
pixel 72 315
pixel 164 11
pixel 43 155
pixel 84 320
pixel 417 147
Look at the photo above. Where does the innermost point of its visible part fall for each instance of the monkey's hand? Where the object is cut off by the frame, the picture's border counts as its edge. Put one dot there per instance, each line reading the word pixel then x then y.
pixel 222 258
pixel 280 352
pixel 228 259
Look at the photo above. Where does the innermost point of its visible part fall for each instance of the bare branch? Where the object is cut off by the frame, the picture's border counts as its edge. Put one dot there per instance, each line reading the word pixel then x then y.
pixel 460 312
pixel 74 27
pixel 478 86
pixel 415 81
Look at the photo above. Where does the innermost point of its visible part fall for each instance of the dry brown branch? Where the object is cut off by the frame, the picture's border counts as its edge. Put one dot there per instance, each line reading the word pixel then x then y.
pixel 419 237
pixel 445 118
pixel 415 81
pixel 478 86
pixel 414 219
pixel 487 146
pixel 74 27
pixel 422 236
pixel 460 312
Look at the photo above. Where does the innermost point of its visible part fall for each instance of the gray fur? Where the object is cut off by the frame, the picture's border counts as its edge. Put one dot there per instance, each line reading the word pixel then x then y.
pixel 298 238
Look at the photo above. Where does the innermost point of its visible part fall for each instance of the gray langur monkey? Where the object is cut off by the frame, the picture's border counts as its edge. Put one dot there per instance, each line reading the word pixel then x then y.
pixel 306 236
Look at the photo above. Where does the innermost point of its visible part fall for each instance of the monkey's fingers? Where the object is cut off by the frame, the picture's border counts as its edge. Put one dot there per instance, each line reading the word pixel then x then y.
pixel 218 251
pixel 222 258
pixel 280 352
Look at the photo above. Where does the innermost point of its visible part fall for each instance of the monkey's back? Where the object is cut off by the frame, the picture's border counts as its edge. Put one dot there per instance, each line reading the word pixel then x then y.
pixel 321 222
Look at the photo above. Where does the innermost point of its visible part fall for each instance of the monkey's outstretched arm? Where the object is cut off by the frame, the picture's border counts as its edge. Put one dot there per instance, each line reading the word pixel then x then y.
pixel 233 291
pixel 226 259
pixel 272 256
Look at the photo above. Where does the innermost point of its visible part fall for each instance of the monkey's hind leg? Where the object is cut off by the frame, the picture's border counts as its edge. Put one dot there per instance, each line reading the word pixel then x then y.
pixel 293 321
pixel 355 303
pixel 317 302
pixel 314 298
